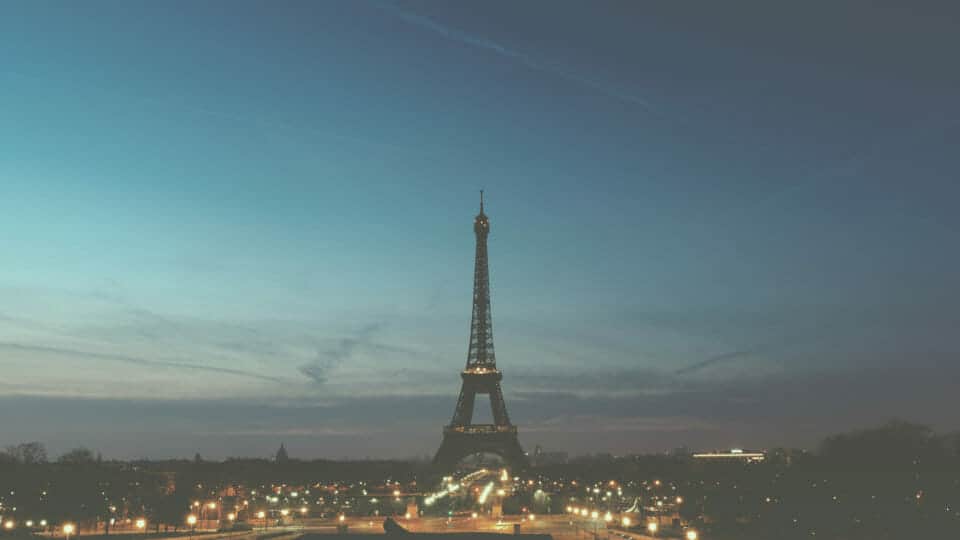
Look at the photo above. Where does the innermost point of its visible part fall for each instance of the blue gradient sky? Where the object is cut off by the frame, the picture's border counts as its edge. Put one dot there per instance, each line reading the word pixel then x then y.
pixel 227 224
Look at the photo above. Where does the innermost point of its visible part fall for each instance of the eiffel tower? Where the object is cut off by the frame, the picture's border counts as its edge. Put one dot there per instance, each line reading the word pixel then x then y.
pixel 462 437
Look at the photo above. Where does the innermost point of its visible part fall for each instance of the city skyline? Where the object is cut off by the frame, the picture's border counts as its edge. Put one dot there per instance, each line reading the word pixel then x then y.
pixel 228 225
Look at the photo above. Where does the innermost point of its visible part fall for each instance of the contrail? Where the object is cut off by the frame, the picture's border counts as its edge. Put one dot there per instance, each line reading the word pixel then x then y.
pixel 481 42
pixel 138 361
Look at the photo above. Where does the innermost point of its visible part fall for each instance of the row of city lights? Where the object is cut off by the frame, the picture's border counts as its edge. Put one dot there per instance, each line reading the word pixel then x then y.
pixel 68 528
pixel 141 523
pixel 652 526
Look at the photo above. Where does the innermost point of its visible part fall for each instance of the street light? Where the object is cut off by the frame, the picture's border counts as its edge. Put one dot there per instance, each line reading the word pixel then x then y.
pixel 691 535
pixel 652 528
pixel 68 529
pixel 192 521
pixel 141 524
pixel 625 522
pixel 9 524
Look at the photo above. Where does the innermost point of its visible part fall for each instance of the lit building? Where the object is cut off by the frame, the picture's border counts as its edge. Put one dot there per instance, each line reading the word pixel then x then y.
pixel 735 454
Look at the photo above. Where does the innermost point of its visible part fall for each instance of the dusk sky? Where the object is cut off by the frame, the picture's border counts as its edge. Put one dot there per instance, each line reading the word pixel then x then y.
pixel 231 224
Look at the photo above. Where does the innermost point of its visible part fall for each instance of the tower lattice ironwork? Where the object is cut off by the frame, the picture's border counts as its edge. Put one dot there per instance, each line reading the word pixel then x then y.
pixel 480 376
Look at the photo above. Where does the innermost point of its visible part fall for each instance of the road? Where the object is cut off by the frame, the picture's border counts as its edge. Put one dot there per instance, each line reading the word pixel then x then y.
pixel 561 527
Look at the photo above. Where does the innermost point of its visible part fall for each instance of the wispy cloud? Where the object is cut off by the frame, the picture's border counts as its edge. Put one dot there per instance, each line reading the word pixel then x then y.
pixel 328 359
pixel 714 360
pixel 20 347
pixel 587 423
pixel 481 42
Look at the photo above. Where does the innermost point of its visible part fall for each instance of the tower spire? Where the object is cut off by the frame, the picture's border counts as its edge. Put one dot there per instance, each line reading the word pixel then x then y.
pixel 481 201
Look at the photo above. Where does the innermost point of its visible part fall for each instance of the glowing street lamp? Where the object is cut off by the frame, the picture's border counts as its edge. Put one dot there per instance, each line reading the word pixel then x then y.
pixel 625 522
pixel 192 522
pixel 608 517
pixel 303 510
pixel 9 524
pixel 652 528
pixel 141 524
pixel 531 517
pixel 68 529
pixel 691 535
pixel 285 512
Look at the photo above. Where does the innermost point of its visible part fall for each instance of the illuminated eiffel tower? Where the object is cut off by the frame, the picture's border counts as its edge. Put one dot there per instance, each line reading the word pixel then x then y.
pixel 462 437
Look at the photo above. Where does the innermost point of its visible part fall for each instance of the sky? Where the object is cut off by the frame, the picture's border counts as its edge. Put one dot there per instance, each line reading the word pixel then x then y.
pixel 227 225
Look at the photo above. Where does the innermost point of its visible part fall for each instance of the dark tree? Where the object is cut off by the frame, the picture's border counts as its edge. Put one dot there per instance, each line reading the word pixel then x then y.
pixel 78 456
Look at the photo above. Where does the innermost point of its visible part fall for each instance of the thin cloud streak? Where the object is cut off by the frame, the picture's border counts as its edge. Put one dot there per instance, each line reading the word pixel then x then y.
pixel 713 360
pixel 10 346
pixel 480 42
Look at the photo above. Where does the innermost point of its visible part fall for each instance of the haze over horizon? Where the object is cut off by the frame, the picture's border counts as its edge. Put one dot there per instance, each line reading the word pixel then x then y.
pixel 231 224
